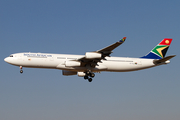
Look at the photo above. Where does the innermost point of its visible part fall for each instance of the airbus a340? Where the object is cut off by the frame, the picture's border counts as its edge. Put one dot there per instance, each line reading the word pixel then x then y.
pixel 97 61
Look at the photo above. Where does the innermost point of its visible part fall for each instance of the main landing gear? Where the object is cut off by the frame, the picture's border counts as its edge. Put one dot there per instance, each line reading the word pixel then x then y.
pixel 21 71
pixel 89 74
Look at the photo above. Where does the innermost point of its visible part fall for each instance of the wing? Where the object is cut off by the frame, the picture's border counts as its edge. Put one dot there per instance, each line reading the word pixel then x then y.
pixel 108 50
pixel 91 58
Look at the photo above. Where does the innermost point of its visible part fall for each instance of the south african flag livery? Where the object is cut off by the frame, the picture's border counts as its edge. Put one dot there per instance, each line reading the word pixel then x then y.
pixel 122 40
pixel 160 50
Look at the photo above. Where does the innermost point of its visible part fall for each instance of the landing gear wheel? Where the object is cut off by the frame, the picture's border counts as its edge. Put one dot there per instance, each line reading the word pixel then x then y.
pixel 89 75
pixel 90 79
pixel 21 71
pixel 88 72
pixel 85 77
pixel 92 75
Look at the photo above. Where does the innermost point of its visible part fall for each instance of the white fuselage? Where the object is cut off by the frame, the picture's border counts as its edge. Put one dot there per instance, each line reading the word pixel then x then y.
pixel 58 61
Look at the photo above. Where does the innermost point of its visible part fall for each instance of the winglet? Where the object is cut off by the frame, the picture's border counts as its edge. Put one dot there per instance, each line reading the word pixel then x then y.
pixel 123 39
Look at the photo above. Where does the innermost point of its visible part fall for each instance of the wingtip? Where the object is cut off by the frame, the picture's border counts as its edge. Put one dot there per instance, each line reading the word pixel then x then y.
pixel 123 39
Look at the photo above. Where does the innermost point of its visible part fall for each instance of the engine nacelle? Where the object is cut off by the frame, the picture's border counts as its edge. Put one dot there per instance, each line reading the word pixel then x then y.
pixel 93 55
pixel 67 73
pixel 81 74
pixel 72 64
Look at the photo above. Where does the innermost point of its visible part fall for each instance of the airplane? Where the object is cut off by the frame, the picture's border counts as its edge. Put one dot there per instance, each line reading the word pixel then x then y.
pixel 92 62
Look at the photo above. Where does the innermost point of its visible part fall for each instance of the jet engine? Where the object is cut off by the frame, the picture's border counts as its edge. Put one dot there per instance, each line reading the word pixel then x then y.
pixel 81 74
pixel 93 55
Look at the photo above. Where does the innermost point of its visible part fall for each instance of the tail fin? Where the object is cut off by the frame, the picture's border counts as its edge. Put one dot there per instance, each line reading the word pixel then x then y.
pixel 160 50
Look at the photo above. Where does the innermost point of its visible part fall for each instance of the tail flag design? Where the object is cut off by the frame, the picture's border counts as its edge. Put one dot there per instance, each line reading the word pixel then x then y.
pixel 123 39
pixel 160 50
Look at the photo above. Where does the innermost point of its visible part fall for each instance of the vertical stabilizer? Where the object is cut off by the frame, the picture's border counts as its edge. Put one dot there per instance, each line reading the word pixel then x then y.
pixel 160 50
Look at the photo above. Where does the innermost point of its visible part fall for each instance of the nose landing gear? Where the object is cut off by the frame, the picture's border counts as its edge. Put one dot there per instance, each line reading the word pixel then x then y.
pixel 21 71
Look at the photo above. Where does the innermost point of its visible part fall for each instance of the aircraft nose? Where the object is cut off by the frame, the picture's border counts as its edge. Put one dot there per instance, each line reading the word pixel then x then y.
pixel 6 59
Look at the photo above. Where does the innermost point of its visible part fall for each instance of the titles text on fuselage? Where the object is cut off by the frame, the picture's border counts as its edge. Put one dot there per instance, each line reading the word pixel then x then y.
pixel 37 55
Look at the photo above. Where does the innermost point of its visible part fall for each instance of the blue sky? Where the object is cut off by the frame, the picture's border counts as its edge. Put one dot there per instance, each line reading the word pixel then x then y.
pixel 76 27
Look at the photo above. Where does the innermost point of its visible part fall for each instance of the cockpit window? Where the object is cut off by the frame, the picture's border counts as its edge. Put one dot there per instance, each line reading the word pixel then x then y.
pixel 11 56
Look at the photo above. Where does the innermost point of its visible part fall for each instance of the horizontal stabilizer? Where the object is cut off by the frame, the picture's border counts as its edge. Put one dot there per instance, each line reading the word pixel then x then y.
pixel 163 59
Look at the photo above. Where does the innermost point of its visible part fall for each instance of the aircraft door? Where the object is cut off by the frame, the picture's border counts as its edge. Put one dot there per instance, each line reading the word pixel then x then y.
pixel 51 58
